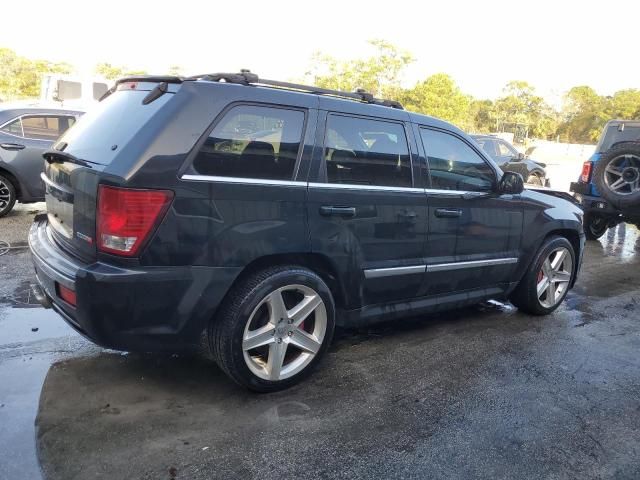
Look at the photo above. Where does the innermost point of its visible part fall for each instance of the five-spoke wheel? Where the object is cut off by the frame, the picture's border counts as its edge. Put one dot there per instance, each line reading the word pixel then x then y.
pixel 284 332
pixel 548 278
pixel 273 327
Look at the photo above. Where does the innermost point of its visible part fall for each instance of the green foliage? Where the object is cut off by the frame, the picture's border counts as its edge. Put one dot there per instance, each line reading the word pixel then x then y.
pixel 439 96
pixel 20 77
pixel 113 72
pixel 378 74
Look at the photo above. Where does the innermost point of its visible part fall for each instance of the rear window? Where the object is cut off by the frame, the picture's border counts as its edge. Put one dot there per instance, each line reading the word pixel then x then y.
pixel 613 135
pixel 102 132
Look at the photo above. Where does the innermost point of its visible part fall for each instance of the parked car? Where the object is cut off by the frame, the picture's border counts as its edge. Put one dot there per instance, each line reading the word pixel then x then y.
pixel 609 185
pixel 510 160
pixel 167 219
pixel 25 133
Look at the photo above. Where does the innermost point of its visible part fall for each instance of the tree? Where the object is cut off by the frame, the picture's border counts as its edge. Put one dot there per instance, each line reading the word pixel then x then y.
pixel 113 72
pixel 584 114
pixel 521 106
pixel 379 74
pixel 20 77
pixel 625 104
pixel 440 97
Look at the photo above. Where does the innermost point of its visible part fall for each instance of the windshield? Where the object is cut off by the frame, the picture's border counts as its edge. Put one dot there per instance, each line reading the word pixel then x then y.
pixel 101 133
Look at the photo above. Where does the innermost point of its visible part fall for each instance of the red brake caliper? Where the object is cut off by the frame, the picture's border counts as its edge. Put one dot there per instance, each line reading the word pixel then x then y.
pixel 540 276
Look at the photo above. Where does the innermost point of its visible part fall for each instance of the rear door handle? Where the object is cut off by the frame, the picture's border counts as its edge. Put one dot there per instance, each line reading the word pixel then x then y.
pixel 448 212
pixel 328 210
pixel 11 146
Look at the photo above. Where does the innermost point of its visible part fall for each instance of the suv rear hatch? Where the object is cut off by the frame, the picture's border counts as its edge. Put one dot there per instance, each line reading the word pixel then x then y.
pixel 89 153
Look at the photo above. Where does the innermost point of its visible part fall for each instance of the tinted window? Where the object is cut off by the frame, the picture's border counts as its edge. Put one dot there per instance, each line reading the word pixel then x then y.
pixel 506 150
pixel 14 128
pixel 253 142
pixel 614 135
pixel 366 152
pixel 487 145
pixel 454 165
pixel 40 127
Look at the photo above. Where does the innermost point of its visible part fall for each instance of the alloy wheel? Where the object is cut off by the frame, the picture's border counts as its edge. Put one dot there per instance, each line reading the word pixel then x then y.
pixel 622 175
pixel 5 195
pixel 284 332
pixel 554 277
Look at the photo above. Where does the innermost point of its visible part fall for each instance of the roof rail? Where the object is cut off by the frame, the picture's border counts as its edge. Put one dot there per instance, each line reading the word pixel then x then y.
pixel 245 77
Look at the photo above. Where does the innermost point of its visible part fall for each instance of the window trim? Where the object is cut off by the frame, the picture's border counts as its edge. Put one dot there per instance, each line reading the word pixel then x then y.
pixel 476 148
pixel 188 172
pixel 20 117
pixel 355 186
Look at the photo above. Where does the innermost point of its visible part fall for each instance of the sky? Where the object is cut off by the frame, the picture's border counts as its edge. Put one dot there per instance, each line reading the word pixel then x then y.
pixel 554 45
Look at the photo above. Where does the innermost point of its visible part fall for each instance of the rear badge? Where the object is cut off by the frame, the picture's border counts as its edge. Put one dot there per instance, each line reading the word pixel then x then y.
pixel 84 237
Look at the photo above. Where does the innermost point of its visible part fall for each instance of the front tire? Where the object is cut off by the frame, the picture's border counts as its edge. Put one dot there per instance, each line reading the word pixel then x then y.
pixel 7 196
pixel 273 328
pixel 546 281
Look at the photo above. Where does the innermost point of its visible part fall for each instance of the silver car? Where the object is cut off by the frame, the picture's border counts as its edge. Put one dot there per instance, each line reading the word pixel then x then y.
pixel 25 133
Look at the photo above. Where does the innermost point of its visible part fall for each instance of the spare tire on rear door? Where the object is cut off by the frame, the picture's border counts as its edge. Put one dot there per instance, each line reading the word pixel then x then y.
pixel 617 175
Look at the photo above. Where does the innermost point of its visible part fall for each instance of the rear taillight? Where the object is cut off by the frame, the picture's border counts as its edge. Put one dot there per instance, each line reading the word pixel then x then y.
pixel 127 217
pixel 585 176
pixel 66 294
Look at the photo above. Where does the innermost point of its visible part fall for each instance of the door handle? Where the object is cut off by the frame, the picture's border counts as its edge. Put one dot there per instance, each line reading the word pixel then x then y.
pixel 11 146
pixel 448 212
pixel 328 210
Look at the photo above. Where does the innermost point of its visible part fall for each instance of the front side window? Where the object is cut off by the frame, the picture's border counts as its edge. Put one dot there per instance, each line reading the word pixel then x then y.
pixel 366 152
pixel 454 165
pixel 487 145
pixel 253 142
pixel 506 150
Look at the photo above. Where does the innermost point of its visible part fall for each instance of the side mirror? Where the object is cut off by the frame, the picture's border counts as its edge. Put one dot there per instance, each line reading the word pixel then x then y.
pixel 519 157
pixel 511 183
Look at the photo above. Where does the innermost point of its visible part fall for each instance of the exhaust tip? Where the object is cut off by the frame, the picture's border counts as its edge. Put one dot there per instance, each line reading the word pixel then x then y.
pixel 40 295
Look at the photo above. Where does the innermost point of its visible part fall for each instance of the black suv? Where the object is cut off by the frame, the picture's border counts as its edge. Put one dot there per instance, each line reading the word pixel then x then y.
pixel 263 213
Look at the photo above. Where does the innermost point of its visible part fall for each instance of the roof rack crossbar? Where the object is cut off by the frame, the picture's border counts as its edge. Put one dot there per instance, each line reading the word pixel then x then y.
pixel 245 77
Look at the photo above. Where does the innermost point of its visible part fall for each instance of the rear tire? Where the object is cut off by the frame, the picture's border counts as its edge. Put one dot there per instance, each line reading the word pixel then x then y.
pixel 617 175
pixel 533 295
pixel 7 196
pixel 595 226
pixel 273 328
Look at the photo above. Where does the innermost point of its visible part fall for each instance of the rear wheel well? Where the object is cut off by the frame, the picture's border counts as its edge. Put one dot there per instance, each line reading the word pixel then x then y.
pixel 14 181
pixel 313 261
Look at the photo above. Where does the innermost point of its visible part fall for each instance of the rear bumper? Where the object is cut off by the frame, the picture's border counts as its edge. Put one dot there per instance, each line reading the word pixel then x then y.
pixel 142 308
pixel 590 203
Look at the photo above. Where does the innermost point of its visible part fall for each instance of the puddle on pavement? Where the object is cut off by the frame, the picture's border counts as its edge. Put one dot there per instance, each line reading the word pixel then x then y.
pixel 25 358
pixel 22 325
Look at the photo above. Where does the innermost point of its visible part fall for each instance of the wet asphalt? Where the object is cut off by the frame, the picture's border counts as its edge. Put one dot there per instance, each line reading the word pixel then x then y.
pixel 484 392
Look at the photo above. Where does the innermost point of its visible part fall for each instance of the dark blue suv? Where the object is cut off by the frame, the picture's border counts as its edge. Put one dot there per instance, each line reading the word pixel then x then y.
pixel 263 213
pixel 609 185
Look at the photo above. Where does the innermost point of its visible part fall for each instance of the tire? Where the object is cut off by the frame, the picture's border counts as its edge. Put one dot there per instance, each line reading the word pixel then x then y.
pixel 252 306
pixel 7 196
pixel 535 179
pixel 617 175
pixel 526 297
pixel 595 226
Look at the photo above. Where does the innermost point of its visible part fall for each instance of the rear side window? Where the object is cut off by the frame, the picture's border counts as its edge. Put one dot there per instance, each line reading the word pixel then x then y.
pixel 14 128
pixel 366 152
pixel 44 127
pixel 454 165
pixel 253 142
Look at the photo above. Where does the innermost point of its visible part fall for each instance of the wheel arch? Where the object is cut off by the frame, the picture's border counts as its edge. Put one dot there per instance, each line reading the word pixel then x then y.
pixel 319 264
pixel 14 180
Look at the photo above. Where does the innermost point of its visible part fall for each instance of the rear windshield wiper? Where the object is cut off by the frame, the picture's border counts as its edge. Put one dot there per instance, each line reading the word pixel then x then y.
pixel 53 156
